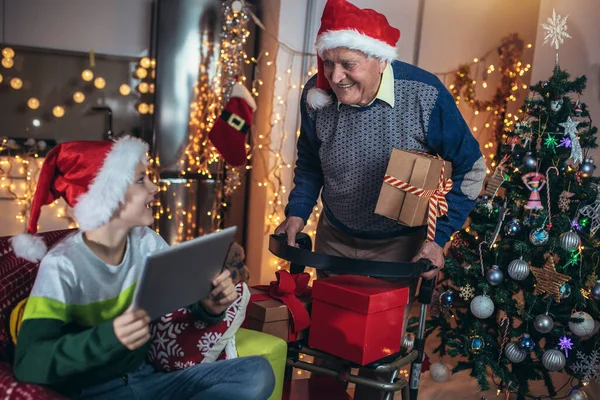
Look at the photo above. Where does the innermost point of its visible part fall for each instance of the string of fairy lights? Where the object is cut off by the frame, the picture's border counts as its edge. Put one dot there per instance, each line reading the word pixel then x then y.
pixel 268 147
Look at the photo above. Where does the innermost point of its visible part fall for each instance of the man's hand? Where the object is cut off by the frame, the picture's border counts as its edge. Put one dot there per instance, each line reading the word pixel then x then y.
pixel 290 226
pixel 132 328
pixel 434 253
pixel 222 295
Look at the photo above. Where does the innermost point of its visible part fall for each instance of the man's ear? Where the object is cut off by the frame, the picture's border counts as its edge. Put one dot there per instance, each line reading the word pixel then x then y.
pixel 382 66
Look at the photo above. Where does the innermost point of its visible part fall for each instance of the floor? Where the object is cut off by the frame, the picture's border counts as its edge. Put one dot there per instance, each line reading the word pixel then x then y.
pixel 461 386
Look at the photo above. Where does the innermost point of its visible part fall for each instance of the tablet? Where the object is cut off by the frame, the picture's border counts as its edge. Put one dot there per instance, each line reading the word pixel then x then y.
pixel 181 275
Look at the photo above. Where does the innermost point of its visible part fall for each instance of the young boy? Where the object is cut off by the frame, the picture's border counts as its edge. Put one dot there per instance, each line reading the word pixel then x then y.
pixel 79 334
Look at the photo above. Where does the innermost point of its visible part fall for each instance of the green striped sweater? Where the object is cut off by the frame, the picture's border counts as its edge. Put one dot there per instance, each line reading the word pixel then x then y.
pixel 67 340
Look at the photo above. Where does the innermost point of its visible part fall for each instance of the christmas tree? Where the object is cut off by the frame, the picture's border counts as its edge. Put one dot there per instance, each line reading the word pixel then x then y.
pixel 520 295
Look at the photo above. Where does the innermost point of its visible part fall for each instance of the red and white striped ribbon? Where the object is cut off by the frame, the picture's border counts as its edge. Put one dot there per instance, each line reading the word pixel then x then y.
pixel 438 206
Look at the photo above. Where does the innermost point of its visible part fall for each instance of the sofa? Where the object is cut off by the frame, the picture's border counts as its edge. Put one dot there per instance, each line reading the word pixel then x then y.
pixel 16 280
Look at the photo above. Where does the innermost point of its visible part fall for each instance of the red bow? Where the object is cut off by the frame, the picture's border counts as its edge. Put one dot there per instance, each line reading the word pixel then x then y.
pixel 287 288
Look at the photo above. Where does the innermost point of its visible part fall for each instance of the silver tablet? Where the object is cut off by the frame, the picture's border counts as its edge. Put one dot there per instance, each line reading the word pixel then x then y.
pixel 181 275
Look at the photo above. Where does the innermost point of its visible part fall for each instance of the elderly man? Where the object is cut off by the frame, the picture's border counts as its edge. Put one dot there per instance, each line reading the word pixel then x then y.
pixel 361 105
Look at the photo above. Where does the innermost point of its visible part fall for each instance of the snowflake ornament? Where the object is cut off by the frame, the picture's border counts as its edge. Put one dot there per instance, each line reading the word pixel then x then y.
pixel 556 31
pixel 467 292
pixel 564 200
pixel 588 366
pixel 592 211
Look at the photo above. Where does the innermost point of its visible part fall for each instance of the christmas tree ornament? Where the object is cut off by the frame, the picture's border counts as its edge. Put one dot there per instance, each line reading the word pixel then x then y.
pixel 587 366
pixel 408 342
pixel 543 323
pixel 571 130
pixel 494 275
pixel 439 372
pixel 230 130
pixel 565 343
pixel 588 167
pixel 518 269
pixel 495 181
pixel 482 306
pixel 583 328
pixel 539 236
pixel 513 227
pixel 569 241
pixel 592 211
pixel 577 108
pixel 564 200
pixel 534 181
pixel 526 343
pixel 595 292
pixel 513 353
pixel 447 298
pixel 556 32
pixel 590 281
pixel 565 291
pixel 502 211
pixel 553 360
pixel 577 394
pixel 476 344
pixel 556 105
pixel 565 142
pixel 530 161
pixel 551 143
pixel 548 280
pixel 467 292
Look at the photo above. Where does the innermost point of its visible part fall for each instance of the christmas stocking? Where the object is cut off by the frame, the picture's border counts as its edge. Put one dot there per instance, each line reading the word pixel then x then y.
pixel 229 131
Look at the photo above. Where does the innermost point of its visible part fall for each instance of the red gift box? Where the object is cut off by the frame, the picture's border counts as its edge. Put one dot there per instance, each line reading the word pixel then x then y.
pixel 357 318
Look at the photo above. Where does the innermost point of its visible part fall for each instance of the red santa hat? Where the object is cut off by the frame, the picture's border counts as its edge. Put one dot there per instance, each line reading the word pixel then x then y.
pixel 345 25
pixel 92 177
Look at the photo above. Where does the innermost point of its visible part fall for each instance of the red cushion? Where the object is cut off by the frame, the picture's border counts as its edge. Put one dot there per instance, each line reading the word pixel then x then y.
pixel 15 390
pixel 180 340
pixel 16 279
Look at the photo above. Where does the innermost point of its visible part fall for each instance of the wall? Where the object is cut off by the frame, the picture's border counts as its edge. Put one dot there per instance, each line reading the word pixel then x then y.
pixel 118 27
pixel 453 32
pixel 579 55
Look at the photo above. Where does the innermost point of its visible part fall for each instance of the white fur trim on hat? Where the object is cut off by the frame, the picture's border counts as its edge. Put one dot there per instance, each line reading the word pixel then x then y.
pixel 31 248
pixel 243 93
pixel 354 40
pixel 318 98
pixel 107 191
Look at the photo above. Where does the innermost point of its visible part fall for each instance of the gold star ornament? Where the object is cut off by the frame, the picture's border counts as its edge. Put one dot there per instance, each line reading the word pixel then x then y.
pixel 548 280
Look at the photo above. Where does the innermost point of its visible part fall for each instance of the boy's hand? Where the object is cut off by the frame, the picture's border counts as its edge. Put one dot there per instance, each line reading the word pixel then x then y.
pixel 222 295
pixel 132 328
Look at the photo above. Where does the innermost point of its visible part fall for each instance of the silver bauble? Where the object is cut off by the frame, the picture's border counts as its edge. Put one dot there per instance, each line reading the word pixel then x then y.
pixel 530 161
pixel 482 306
pixel 596 291
pixel 555 105
pixel 543 323
pixel 554 360
pixel 439 372
pixel 584 328
pixel 569 241
pixel 514 353
pixel 409 341
pixel 518 269
pixel 577 394
pixel 494 275
pixel 588 167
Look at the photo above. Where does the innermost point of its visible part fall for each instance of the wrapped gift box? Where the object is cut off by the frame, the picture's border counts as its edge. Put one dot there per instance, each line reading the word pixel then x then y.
pixel 273 317
pixel 418 170
pixel 357 318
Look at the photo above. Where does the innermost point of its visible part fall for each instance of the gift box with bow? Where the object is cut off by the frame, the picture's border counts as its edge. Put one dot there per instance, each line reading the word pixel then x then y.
pixel 414 189
pixel 282 308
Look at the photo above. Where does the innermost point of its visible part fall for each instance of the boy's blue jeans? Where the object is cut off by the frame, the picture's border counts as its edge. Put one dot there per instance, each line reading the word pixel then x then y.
pixel 243 378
